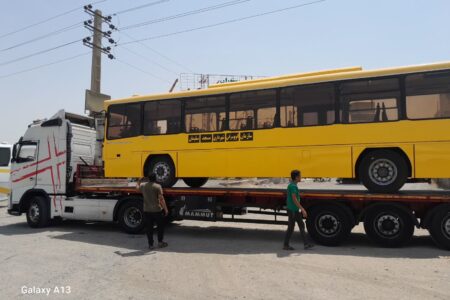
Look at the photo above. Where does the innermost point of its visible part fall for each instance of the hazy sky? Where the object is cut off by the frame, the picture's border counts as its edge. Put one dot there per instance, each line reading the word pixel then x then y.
pixel 330 34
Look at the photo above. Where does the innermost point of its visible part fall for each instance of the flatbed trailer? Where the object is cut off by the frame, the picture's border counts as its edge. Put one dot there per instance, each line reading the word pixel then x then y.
pixel 389 219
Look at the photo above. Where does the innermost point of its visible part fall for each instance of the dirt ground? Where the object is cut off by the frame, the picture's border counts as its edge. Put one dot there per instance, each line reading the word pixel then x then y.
pixel 210 261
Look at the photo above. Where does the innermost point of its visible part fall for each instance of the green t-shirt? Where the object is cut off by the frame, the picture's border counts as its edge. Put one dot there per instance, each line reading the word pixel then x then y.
pixel 292 189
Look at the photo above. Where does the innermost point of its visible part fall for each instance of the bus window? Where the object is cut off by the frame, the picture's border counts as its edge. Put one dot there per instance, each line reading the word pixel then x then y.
pixel 5 156
pixel 162 117
pixel 253 110
pixel 124 120
pixel 428 95
pixel 205 114
pixel 370 100
pixel 307 105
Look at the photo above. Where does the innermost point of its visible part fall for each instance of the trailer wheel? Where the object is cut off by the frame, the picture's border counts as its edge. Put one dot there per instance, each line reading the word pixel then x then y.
pixel 388 225
pixel 329 225
pixel 164 169
pixel 38 212
pixel 195 182
pixel 440 227
pixel 383 171
pixel 131 216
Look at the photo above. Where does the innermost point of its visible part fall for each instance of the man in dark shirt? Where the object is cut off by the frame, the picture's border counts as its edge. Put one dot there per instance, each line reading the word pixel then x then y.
pixel 155 209
pixel 293 206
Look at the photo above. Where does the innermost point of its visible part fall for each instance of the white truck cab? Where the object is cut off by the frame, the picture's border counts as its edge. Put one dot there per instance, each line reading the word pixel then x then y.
pixel 43 165
pixel 5 161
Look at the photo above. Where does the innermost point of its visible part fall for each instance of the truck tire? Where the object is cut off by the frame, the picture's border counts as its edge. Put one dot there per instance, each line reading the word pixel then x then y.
pixel 164 169
pixel 440 227
pixel 383 171
pixel 329 225
pixel 131 216
pixel 388 225
pixel 38 212
pixel 195 182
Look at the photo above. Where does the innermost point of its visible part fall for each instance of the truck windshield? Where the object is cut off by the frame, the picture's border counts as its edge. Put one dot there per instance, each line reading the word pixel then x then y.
pixel 5 154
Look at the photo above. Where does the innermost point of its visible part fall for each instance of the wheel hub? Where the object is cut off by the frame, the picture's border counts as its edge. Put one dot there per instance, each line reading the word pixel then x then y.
pixel 133 217
pixel 162 171
pixel 34 212
pixel 446 226
pixel 383 171
pixel 388 225
pixel 328 224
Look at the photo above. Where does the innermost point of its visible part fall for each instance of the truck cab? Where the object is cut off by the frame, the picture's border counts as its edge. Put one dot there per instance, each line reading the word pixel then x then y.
pixel 44 161
pixel 5 161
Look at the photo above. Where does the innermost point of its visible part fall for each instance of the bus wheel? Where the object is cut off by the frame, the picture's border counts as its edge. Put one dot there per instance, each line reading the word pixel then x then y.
pixel 383 171
pixel 38 212
pixel 440 227
pixel 164 169
pixel 329 225
pixel 131 216
pixel 195 182
pixel 388 225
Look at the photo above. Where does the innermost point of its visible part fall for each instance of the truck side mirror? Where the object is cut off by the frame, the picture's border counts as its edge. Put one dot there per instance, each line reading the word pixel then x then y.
pixel 14 153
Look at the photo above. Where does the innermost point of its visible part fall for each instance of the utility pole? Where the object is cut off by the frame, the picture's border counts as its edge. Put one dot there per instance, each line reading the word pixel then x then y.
pixel 94 98
pixel 96 68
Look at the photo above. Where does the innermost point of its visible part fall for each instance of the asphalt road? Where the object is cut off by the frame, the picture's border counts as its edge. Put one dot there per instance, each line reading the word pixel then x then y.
pixel 77 260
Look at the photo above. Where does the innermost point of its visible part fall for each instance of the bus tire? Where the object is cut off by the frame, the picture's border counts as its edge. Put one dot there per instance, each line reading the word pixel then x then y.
pixel 195 182
pixel 440 227
pixel 164 169
pixel 329 224
pixel 388 225
pixel 131 216
pixel 38 212
pixel 383 171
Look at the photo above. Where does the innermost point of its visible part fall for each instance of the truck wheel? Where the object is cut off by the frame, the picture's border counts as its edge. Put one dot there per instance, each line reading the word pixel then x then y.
pixel 329 225
pixel 164 169
pixel 383 171
pixel 38 212
pixel 195 182
pixel 440 227
pixel 388 226
pixel 131 216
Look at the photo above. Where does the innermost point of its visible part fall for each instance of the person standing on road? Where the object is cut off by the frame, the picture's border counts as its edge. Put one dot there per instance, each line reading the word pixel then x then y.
pixel 294 215
pixel 155 209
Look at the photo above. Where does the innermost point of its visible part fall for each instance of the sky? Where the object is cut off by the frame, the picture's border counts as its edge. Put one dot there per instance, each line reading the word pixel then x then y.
pixel 325 35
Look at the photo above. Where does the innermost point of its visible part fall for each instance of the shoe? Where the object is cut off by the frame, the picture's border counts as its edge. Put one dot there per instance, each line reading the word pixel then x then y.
pixel 162 245
pixel 289 248
pixel 308 246
pixel 151 247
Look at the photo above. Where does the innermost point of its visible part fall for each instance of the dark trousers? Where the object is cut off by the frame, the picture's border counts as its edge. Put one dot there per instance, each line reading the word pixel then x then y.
pixel 294 217
pixel 150 219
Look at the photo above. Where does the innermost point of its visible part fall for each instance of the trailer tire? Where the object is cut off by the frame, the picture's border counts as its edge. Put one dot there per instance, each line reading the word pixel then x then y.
pixel 164 169
pixel 195 182
pixel 329 224
pixel 38 212
pixel 131 216
pixel 383 171
pixel 388 225
pixel 440 227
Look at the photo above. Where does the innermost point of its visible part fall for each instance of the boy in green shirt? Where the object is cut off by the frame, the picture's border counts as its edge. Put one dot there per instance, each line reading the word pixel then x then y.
pixel 294 215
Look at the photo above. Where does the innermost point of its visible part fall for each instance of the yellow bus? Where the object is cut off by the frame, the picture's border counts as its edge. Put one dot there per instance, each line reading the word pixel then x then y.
pixel 378 126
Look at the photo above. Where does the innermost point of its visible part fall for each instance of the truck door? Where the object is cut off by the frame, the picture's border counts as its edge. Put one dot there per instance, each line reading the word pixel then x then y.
pixel 24 169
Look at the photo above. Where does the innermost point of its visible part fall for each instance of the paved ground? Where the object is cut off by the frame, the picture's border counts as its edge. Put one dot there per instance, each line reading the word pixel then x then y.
pixel 211 261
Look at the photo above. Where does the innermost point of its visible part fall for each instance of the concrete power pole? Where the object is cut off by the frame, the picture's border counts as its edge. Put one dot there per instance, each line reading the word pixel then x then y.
pixel 96 68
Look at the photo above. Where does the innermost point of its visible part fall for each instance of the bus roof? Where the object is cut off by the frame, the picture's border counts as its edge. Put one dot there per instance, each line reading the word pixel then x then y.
pixel 288 80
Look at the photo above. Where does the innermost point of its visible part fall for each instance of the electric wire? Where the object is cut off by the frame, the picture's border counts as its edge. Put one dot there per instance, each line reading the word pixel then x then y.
pixel 139 7
pixel 141 70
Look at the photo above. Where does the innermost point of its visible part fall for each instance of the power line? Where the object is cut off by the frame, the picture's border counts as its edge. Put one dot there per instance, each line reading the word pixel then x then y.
pixel 73 26
pixel 151 61
pixel 39 52
pixel 44 65
pixel 158 53
pixel 142 71
pixel 46 20
pixel 222 23
pixel 139 7
pixel 185 14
